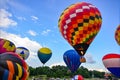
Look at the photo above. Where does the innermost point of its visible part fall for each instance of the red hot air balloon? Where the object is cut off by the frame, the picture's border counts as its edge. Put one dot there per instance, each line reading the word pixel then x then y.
pixel 117 35
pixel 78 77
pixel 112 62
pixel 6 46
pixel 79 24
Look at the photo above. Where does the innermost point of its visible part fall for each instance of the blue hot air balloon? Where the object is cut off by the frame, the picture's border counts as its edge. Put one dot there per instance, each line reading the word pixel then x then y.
pixel 44 54
pixel 72 60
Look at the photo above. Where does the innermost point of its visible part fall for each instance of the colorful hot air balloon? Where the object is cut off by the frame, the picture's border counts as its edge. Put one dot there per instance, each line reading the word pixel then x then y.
pixel 72 60
pixel 6 46
pixel 13 67
pixel 117 35
pixel 112 62
pixel 23 52
pixel 44 54
pixel 79 24
pixel 78 77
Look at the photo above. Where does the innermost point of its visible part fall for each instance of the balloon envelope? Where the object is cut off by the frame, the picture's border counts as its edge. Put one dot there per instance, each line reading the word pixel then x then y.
pixel 79 24
pixel 117 35
pixel 44 54
pixel 6 46
pixel 72 60
pixel 13 67
pixel 23 52
pixel 112 62
pixel 78 77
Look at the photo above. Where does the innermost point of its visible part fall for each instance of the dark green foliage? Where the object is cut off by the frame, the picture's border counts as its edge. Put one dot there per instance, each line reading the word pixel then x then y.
pixel 63 71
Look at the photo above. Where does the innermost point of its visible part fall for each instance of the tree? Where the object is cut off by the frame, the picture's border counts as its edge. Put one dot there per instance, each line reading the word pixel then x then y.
pixel 63 71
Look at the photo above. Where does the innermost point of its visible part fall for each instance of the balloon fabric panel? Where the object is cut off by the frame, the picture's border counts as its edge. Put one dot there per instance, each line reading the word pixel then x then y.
pixel 44 57
pixel 14 57
pixel 72 60
pixel 44 54
pixel 5 76
pixel 117 35
pixel 79 24
pixel 45 50
pixel 23 52
pixel 112 62
pixel 11 58
pixel 13 67
pixel 6 46
pixel 115 71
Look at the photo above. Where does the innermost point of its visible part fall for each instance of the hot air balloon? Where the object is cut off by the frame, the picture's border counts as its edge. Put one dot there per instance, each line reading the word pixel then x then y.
pixel 112 62
pixel 78 77
pixel 79 24
pixel 117 35
pixel 6 46
pixel 71 59
pixel 23 52
pixel 44 54
pixel 13 67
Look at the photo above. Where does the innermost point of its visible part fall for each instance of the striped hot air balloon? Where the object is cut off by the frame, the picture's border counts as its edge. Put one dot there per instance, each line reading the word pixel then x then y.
pixel 112 62
pixel 13 67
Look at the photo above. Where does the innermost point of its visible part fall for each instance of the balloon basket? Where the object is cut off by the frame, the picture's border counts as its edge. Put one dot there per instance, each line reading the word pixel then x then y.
pixel 82 60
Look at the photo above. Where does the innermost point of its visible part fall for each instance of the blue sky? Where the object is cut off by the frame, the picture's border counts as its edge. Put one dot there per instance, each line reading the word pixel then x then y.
pixel 34 24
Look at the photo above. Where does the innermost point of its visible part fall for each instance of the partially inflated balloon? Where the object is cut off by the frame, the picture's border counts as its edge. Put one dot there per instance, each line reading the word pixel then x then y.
pixel 117 35
pixel 13 67
pixel 78 77
pixel 23 52
pixel 79 24
pixel 71 58
pixel 44 54
pixel 112 62
pixel 6 46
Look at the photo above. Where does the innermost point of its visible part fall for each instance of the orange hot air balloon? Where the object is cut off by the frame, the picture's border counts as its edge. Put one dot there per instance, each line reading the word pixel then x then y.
pixel 79 24
pixel 117 35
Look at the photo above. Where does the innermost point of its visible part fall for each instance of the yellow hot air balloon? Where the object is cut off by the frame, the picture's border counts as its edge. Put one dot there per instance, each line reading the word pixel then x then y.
pixel 44 54
pixel 6 46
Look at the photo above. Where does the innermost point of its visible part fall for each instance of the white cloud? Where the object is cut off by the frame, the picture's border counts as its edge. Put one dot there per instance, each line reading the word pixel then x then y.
pixel 98 69
pixel 5 20
pixel 21 18
pixel 34 18
pixel 56 64
pixel 31 45
pixel 46 32
pixel 89 59
pixel 31 32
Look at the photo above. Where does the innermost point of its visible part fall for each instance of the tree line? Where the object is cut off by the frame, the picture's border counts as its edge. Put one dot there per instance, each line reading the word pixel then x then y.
pixel 63 71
